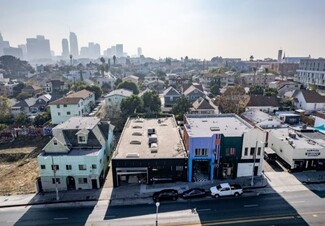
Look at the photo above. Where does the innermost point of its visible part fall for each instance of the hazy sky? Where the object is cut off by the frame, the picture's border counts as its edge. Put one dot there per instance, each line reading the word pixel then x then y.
pixel 176 28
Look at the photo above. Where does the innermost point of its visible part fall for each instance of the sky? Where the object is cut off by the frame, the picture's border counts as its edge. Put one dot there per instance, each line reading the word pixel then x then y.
pixel 173 28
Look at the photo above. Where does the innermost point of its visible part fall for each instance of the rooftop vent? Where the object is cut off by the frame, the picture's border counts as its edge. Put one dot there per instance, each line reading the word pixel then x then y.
pixel 137 127
pixel 132 155
pixel 137 134
pixel 135 142
pixel 214 128
pixel 153 151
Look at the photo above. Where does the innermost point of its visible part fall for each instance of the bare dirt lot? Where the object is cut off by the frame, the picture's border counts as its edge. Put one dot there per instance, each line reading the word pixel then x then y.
pixel 18 165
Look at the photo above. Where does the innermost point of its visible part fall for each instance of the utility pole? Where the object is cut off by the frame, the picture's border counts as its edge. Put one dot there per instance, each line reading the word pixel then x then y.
pixel 253 168
pixel 56 184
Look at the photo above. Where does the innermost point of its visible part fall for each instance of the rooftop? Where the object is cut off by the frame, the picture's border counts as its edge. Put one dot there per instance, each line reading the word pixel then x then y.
pixel 230 125
pixel 79 123
pixel 301 140
pixel 75 152
pixel 165 141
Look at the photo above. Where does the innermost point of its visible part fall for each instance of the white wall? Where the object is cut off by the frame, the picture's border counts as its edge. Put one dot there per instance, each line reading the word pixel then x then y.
pixel 246 169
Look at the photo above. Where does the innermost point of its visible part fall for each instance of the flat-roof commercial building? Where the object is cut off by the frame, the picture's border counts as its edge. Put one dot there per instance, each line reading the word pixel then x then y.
pixel 222 146
pixel 149 151
pixel 300 149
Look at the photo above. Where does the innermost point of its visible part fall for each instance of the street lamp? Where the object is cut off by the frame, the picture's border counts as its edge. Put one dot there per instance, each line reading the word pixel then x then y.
pixel 254 158
pixel 157 206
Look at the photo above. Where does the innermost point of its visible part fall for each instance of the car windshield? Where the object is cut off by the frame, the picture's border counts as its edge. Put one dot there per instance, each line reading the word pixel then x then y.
pixel 218 186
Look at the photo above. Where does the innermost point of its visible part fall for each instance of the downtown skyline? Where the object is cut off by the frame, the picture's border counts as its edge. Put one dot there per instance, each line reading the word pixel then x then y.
pixel 198 29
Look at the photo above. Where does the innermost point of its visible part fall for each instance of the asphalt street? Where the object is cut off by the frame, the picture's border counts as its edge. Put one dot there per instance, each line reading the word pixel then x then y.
pixel 268 209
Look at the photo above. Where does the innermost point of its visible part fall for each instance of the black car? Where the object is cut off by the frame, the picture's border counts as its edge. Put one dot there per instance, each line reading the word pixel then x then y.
pixel 167 194
pixel 194 193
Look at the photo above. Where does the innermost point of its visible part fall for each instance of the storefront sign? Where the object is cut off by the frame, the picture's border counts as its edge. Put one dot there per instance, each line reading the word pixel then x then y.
pixel 312 153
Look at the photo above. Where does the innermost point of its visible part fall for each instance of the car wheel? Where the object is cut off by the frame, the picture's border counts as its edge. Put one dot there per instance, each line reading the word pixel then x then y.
pixel 217 196
pixel 236 194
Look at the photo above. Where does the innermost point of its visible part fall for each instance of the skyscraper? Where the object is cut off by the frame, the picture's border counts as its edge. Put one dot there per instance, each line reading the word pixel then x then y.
pixel 65 48
pixel 279 55
pixel 119 50
pixel 74 49
pixel 38 48
pixel 3 44
pixel 139 51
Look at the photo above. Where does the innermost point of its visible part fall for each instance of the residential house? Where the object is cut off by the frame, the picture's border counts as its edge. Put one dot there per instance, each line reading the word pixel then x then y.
pixel 32 90
pixel 309 100
pixel 284 87
pixel 113 101
pixel 204 106
pixel 267 104
pixel 31 105
pixel 258 79
pixel 74 104
pixel 7 87
pixel 193 93
pixel 171 95
pixel 77 155
pixel 131 78
pixel 54 86
pixel 259 118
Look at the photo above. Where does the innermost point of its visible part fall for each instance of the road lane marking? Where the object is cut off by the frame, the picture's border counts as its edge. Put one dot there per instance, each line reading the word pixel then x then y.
pixel 252 205
pixel 249 220
pixel 61 218
pixel 204 210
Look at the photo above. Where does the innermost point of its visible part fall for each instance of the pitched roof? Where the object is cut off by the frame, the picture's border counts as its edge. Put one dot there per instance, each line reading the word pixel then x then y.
pixel 312 96
pixel 202 103
pixel 197 85
pixel 72 98
pixel 191 89
pixel 259 100
pixel 171 91
pixel 120 92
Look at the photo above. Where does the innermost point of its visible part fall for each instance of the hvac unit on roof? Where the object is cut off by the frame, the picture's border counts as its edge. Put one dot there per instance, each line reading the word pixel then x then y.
pixel 214 128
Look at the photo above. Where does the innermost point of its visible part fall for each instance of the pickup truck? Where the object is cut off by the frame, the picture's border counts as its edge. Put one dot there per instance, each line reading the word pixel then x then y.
pixel 226 189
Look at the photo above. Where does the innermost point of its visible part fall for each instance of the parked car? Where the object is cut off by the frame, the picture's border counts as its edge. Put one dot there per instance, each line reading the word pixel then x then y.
pixel 166 194
pixel 193 193
pixel 226 189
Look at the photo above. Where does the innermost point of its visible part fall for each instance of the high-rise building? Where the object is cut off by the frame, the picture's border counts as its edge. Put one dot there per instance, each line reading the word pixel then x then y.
pixel 113 49
pixel 65 48
pixel 74 49
pixel 3 44
pixel 38 48
pixel 279 55
pixel 119 50
pixel 24 49
pixel 16 52
pixel 139 51
pixel 311 73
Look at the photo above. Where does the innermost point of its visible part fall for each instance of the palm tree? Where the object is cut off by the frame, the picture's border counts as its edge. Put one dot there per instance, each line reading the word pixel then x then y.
pixel 114 59
pixel 71 59
pixel 102 67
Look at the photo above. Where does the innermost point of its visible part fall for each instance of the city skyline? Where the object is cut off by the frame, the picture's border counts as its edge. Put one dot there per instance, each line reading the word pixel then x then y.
pixel 198 29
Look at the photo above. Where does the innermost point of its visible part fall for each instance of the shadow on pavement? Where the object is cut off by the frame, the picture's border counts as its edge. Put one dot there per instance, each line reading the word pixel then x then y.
pixel 313 180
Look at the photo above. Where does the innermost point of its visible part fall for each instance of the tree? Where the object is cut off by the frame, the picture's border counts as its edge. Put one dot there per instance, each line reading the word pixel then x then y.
pixel 181 107
pixel 106 87
pixel 215 86
pixel 117 82
pixel 22 119
pixel 130 86
pixel 92 88
pixel 13 66
pixel 270 92
pixel 151 102
pixel 5 110
pixel 114 59
pixel 257 90
pixel 131 105
pixel 103 66
pixel 17 89
pixel 42 118
pixel 22 96
pixel 232 100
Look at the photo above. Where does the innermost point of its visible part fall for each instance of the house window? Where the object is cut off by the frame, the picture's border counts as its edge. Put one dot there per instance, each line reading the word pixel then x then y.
pixel 230 151
pixel 64 105
pixel 201 151
pixel 246 152
pixel 252 151
pixel 68 112
pixel 58 106
pixel 59 113
pixel 43 167
pixel 94 166
pixel 82 180
pixel 68 167
pixel 57 180
pixel 82 167
pixel 55 167
pixel 259 151
pixel 55 142
pixel 82 139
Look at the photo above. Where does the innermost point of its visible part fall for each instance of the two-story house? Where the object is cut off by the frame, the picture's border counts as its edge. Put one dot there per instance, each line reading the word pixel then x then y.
pixel 171 95
pixel 55 86
pixel 74 104
pixel 77 155
pixel 113 101
pixel 268 104
pixel 193 93
pixel 309 100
